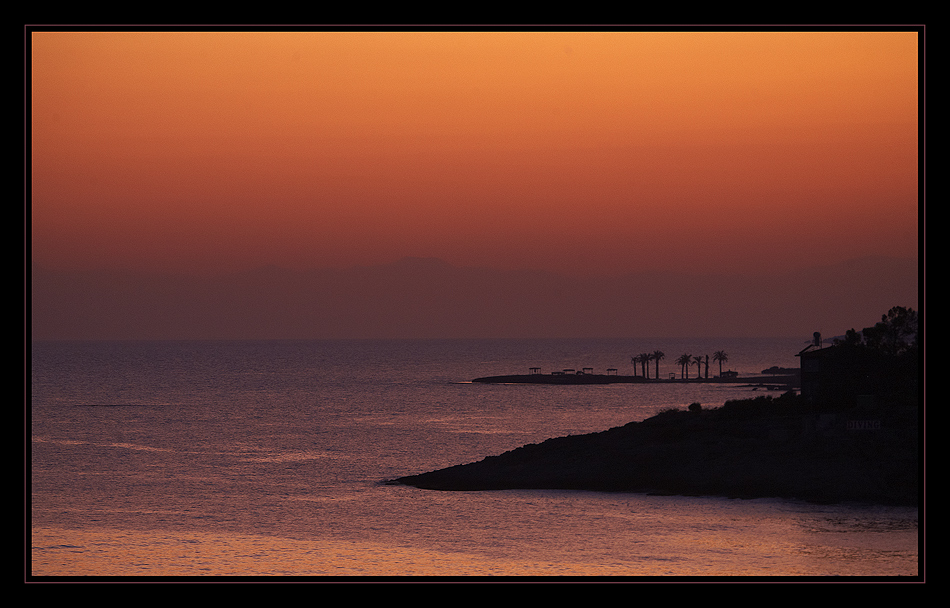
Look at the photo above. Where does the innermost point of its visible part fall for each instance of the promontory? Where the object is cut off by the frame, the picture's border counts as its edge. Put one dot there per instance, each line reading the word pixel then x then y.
pixel 756 448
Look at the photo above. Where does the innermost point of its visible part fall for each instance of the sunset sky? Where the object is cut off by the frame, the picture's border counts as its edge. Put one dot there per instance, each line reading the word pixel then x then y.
pixel 575 152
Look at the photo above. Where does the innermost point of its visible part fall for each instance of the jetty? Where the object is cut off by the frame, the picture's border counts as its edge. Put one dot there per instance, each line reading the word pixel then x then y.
pixel 789 379
pixel 560 378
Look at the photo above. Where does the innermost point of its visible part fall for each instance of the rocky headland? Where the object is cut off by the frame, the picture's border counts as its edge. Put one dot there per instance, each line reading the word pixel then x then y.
pixel 763 447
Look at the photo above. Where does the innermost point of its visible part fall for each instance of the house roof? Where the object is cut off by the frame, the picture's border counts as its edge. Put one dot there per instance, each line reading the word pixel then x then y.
pixel 812 350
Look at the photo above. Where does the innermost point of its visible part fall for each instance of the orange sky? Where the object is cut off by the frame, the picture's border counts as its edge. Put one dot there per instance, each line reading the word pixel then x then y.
pixel 569 151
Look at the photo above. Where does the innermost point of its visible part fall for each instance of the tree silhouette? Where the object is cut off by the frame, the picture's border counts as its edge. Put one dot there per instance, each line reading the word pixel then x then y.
pixel 635 359
pixel 656 356
pixel 699 366
pixel 684 361
pixel 645 362
pixel 895 334
pixel 882 359
pixel 722 357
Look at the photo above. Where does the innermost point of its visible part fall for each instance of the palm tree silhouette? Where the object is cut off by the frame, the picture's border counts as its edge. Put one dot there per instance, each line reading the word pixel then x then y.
pixel 721 356
pixel 656 356
pixel 635 359
pixel 684 364
pixel 645 362
pixel 698 359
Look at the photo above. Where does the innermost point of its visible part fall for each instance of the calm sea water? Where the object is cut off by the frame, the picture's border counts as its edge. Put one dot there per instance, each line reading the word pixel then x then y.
pixel 268 458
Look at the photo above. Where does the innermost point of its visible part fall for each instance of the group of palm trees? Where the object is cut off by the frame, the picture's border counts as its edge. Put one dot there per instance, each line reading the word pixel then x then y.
pixel 684 361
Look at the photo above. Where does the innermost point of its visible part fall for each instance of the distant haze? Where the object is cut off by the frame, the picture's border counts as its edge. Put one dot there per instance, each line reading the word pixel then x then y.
pixel 429 298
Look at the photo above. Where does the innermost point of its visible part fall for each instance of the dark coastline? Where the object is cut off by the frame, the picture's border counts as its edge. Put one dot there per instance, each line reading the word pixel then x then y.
pixel 758 448
pixel 781 380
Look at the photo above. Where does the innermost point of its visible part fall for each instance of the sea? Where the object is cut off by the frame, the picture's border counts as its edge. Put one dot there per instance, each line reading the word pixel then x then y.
pixel 269 460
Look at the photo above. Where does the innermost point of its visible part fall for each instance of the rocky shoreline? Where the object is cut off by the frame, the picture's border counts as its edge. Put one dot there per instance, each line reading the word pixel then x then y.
pixel 758 448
